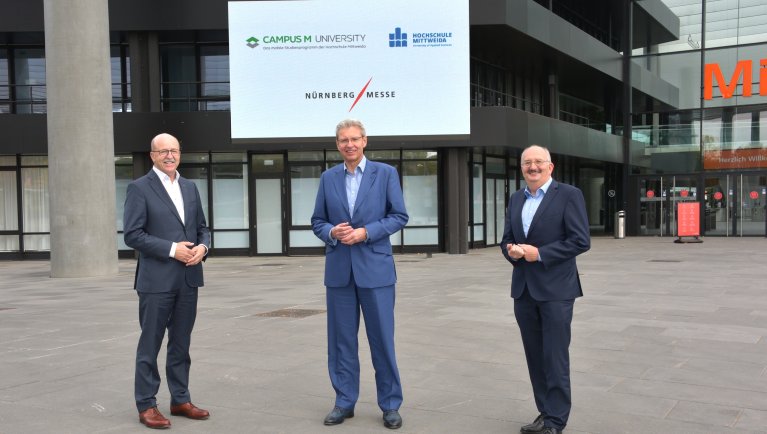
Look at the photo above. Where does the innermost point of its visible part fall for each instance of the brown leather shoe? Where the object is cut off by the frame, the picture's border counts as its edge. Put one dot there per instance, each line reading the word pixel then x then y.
pixel 152 418
pixel 188 409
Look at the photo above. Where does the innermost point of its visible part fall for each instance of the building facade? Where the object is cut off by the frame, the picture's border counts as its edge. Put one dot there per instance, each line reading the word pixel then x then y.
pixel 644 104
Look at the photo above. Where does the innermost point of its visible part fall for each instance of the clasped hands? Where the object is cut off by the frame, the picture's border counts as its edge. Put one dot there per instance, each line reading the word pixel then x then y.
pixel 347 234
pixel 188 253
pixel 518 251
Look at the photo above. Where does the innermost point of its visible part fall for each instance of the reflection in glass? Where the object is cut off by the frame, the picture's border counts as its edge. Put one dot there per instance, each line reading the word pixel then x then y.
pixel 419 183
pixel 230 196
pixel 304 183
pixel 9 212
pixel 29 67
pixel 34 196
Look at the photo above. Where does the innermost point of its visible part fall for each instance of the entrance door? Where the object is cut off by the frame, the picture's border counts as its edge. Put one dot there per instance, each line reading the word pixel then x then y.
pixel 736 204
pixel 267 204
pixel 658 200
pixel 495 209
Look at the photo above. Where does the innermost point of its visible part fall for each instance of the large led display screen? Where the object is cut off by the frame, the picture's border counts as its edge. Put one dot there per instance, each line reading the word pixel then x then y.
pixel 299 67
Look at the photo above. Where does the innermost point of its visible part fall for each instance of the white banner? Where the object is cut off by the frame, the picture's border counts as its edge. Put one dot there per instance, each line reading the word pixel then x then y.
pixel 299 67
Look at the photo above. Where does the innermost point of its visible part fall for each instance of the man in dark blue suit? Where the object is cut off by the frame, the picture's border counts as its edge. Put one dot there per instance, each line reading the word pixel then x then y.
pixel 546 228
pixel 359 205
pixel 164 221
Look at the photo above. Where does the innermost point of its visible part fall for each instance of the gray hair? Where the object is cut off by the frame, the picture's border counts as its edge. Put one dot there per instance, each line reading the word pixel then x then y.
pixel 548 154
pixel 349 123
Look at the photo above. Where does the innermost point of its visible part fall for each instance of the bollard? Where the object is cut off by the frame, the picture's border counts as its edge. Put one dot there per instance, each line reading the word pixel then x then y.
pixel 620 224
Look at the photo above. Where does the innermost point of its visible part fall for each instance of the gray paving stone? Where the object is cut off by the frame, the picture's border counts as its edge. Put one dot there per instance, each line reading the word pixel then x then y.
pixel 657 346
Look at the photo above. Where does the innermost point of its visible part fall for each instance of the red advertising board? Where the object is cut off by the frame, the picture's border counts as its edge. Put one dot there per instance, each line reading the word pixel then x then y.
pixel 688 219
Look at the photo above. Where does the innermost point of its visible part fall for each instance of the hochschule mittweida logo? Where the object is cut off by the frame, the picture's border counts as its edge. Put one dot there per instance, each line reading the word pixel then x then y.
pixel 397 39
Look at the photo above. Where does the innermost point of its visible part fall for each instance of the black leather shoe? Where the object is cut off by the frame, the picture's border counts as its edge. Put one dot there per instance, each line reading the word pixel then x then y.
pixel 392 419
pixel 550 430
pixel 337 415
pixel 535 427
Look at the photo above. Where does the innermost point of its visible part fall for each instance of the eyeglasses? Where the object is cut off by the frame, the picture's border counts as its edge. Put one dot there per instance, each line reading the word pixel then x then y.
pixel 353 140
pixel 538 163
pixel 165 152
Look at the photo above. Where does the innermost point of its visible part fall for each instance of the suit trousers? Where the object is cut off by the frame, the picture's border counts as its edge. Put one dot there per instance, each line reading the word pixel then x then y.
pixel 545 329
pixel 175 311
pixel 377 305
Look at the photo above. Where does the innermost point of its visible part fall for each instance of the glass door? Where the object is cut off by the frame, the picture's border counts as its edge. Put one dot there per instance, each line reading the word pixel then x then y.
pixel 267 204
pixel 717 211
pixel 752 193
pixel 658 200
pixel 736 205
pixel 652 212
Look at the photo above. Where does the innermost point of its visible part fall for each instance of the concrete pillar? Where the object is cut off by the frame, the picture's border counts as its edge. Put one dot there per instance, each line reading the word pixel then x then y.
pixel 81 169
pixel 455 184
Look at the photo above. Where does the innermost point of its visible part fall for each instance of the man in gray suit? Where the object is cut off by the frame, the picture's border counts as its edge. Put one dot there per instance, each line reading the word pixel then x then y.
pixel 164 221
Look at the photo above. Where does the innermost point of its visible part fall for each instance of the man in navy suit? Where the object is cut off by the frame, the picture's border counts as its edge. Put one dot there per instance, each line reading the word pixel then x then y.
pixel 546 228
pixel 359 205
pixel 164 221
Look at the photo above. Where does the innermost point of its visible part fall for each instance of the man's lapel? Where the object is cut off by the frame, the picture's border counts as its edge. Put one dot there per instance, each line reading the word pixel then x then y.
pixel 338 179
pixel 187 193
pixel 159 189
pixel 547 199
pixel 517 202
pixel 367 181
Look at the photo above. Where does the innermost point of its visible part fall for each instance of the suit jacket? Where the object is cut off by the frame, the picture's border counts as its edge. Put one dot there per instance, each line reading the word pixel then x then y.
pixel 379 207
pixel 152 224
pixel 560 231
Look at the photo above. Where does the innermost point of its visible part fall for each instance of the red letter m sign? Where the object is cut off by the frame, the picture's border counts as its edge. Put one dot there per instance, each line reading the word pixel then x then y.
pixel 742 73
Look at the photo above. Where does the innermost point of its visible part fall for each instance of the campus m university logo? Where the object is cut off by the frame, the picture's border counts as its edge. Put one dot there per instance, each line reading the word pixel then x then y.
pixel 741 75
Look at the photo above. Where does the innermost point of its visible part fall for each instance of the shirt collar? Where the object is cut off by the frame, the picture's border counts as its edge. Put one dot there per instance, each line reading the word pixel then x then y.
pixel 163 176
pixel 543 189
pixel 360 166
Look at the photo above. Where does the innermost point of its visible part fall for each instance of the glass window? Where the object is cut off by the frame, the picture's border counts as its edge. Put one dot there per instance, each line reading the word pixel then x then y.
pixel 419 155
pixel 34 197
pixel 29 77
pixel 5 85
pixel 304 183
pixel 214 67
pixel 34 160
pixel 9 243
pixel 123 177
pixel 120 66
pixel 496 165
pixel 419 183
pixel 305 156
pixel 476 186
pixel 382 155
pixel 230 196
pixel 179 78
pixel 7 160
pixel 199 175
pixel 690 28
pixel 267 163
pixel 734 22
pixel 741 130
pixel 194 157
pixel 233 157
pixel 9 212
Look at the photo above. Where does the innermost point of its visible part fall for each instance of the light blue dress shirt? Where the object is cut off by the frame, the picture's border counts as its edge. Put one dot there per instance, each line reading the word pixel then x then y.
pixel 531 204
pixel 353 181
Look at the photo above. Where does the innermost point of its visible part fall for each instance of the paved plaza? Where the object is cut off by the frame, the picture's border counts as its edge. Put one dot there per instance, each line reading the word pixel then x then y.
pixel 669 338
